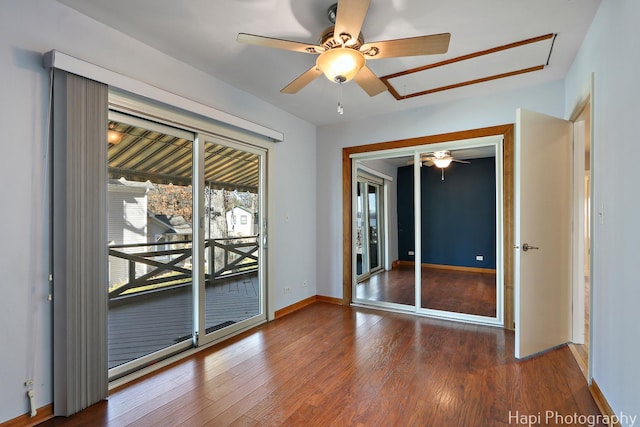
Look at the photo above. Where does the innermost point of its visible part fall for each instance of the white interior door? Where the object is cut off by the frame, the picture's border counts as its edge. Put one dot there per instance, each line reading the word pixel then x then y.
pixel 543 214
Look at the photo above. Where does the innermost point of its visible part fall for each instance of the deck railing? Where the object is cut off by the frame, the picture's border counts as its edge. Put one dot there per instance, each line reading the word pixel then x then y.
pixel 171 268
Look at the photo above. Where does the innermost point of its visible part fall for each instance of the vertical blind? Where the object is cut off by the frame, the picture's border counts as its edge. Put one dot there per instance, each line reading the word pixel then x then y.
pixel 79 242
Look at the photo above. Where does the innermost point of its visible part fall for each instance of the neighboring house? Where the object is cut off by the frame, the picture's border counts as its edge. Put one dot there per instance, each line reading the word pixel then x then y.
pixel 240 222
pixel 130 222
pixel 127 224
pixel 168 228
pixel 171 229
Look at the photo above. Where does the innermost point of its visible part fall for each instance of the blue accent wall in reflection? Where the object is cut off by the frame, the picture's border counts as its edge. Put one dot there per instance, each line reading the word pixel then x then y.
pixel 458 214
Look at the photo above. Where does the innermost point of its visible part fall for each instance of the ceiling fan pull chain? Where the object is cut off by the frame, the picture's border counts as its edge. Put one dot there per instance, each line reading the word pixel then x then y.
pixel 442 170
pixel 340 107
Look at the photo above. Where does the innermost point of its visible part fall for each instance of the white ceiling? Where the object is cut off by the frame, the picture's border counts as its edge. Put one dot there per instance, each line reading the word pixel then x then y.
pixel 203 34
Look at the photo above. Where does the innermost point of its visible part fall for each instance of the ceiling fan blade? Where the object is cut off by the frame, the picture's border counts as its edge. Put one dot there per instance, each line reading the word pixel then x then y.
pixel 412 46
pixel 278 43
pixel 460 161
pixel 302 80
pixel 369 82
pixel 428 162
pixel 349 18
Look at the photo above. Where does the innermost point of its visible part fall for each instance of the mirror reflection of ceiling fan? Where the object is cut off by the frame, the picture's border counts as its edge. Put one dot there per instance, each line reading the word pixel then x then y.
pixel 343 52
pixel 440 159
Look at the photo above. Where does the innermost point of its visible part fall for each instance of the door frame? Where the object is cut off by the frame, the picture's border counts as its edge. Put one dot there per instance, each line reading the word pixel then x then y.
pixel 201 128
pixel 584 100
pixel 507 132
pixel 142 119
pixel 200 336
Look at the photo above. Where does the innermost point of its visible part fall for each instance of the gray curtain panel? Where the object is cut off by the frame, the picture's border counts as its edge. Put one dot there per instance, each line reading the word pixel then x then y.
pixel 79 242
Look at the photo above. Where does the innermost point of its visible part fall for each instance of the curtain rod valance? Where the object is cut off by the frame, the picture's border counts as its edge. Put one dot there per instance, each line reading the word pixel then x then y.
pixel 62 61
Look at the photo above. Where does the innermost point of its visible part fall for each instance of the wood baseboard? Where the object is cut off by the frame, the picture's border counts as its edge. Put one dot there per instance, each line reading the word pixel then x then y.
pixel 305 302
pixel 602 403
pixel 330 300
pixel 42 414
pixel 448 267
pixel 596 393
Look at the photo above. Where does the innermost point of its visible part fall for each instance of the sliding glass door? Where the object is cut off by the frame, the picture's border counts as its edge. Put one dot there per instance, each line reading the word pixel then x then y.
pixel 373 213
pixel 150 217
pixel 458 211
pixel 186 240
pixel 444 235
pixel 369 221
pixel 232 289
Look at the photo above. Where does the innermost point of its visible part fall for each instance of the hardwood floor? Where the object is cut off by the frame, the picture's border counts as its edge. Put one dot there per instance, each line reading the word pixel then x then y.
pixel 329 365
pixel 446 290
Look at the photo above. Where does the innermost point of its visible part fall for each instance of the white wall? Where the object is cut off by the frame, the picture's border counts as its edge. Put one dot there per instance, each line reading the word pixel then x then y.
pixel 27 29
pixel 473 113
pixel 611 51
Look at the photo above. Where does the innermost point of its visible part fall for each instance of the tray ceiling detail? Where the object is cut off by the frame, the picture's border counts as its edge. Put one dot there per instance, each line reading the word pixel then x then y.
pixel 524 56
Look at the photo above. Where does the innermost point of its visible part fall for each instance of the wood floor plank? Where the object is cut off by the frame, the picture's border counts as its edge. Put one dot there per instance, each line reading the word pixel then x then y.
pixel 379 349
pixel 172 412
pixel 234 415
pixel 329 365
pixel 259 373
pixel 442 289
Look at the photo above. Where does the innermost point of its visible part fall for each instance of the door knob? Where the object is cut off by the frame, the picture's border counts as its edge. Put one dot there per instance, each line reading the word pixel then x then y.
pixel 526 247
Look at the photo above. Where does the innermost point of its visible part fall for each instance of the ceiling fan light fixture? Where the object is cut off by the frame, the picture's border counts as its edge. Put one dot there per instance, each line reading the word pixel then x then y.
pixel 443 162
pixel 340 64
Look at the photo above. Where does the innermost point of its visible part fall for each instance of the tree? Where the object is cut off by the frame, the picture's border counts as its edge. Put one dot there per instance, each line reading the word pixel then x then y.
pixel 169 199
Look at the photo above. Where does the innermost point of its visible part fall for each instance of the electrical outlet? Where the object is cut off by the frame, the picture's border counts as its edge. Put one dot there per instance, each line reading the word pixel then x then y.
pixel 287 289
pixel 411 253
pixel 479 257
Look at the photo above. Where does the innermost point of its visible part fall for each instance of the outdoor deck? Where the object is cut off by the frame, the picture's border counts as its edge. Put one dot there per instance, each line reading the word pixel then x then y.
pixel 142 324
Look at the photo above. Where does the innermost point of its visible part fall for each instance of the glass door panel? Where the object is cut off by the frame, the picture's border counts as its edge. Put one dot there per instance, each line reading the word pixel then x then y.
pixel 150 242
pixel 443 230
pixel 375 285
pixel 233 287
pixel 373 199
pixel 368 247
pixel 458 233
pixel 361 244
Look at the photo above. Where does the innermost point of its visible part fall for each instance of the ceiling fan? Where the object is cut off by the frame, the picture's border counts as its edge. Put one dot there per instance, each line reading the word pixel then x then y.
pixel 440 159
pixel 343 52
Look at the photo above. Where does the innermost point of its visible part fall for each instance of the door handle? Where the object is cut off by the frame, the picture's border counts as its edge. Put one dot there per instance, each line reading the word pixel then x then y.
pixel 526 247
